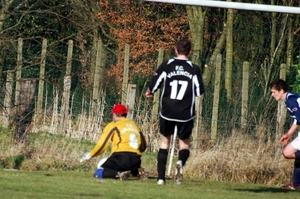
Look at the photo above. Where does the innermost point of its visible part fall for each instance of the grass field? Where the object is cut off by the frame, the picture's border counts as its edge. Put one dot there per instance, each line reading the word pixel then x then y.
pixel 71 184
pixel 49 167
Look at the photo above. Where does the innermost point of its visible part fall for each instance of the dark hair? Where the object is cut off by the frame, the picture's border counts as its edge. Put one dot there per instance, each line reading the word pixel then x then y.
pixel 184 47
pixel 121 114
pixel 280 84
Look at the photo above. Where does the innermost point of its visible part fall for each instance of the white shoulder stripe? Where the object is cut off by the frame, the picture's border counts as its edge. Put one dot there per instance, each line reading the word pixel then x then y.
pixel 170 61
pixel 159 80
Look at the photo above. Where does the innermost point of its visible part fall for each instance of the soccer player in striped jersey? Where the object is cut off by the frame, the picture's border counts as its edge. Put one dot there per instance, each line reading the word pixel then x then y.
pixel 280 92
pixel 180 82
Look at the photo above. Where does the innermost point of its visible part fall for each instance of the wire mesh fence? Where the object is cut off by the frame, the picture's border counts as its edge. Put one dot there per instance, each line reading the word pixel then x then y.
pixel 260 38
pixel 85 121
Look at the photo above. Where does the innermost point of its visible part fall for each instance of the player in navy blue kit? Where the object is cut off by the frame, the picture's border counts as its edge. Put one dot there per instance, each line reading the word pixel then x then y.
pixel 280 91
pixel 181 82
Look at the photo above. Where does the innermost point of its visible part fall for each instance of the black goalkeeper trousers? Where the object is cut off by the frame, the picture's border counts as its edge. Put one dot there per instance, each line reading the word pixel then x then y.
pixel 123 161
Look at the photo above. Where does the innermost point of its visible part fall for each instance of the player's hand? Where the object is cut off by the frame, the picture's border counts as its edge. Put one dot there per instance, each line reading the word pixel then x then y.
pixel 148 94
pixel 85 157
pixel 284 139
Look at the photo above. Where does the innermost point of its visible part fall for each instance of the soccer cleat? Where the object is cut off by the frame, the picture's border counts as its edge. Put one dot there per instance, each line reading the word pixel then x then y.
pixel 291 187
pixel 123 175
pixel 161 182
pixel 142 174
pixel 178 172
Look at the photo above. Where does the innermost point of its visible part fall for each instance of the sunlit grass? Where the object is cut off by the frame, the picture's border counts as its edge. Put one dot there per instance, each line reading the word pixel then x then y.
pixel 74 184
pixel 234 159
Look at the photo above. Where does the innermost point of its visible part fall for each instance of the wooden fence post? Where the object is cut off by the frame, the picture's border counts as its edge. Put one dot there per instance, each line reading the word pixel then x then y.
pixel 125 73
pixel 214 119
pixel 156 99
pixel 99 65
pixel 8 98
pixel 1 64
pixel 39 106
pixel 19 70
pixel 66 91
pixel 130 101
pixel 25 110
pixel 55 115
pixel 245 94
pixel 198 121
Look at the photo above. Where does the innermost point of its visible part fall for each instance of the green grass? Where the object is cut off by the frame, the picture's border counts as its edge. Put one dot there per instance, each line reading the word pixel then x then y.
pixel 49 167
pixel 71 184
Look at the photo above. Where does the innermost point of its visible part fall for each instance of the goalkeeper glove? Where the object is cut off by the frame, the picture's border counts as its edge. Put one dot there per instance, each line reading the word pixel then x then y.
pixel 85 157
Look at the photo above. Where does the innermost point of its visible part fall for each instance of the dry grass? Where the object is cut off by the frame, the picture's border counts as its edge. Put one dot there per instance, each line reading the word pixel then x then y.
pixel 44 152
pixel 238 158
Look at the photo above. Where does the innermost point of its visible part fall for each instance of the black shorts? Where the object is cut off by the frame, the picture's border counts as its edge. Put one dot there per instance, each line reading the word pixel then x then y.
pixel 123 161
pixel 184 129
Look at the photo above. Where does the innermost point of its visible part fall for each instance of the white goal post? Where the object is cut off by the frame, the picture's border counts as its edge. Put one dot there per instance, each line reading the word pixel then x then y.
pixel 234 5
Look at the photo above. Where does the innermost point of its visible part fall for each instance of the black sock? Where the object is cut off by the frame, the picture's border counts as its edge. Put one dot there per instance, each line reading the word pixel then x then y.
pixel 296 177
pixel 297 163
pixel 135 172
pixel 184 155
pixel 162 156
pixel 297 154
pixel 296 173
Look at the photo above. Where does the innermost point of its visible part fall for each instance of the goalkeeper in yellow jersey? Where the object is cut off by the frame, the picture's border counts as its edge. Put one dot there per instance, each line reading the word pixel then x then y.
pixel 128 143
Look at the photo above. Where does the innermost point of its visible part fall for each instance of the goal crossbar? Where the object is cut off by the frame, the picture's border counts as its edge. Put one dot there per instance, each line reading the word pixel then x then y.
pixel 234 5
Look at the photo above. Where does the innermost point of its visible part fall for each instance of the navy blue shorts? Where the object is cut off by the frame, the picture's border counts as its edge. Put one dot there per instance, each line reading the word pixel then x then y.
pixel 184 129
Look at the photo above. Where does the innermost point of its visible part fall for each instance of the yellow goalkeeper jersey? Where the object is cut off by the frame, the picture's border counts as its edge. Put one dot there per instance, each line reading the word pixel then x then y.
pixel 124 135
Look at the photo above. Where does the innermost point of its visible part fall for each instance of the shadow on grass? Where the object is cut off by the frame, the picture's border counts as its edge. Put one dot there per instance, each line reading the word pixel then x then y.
pixel 149 177
pixel 266 190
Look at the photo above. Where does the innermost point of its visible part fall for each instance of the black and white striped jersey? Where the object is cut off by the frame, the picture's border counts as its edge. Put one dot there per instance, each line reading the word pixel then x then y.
pixel 180 81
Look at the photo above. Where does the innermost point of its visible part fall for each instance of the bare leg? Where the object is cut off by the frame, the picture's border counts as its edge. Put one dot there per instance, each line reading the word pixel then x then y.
pixel 289 152
pixel 165 141
pixel 184 144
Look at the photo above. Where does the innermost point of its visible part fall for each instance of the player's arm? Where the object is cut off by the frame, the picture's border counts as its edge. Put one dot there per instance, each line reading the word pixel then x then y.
pixel 287 136
pixel 156 80
pixel 294 106
pixel 102 144
pixel 296 111
pixel 143 144
pixel 198 82
pixel 104 140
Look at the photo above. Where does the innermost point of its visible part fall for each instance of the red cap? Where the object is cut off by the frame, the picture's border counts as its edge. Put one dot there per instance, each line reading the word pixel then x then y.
pixel 119 109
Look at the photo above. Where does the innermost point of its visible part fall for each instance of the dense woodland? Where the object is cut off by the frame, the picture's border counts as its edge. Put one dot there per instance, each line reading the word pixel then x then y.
pixel 268 41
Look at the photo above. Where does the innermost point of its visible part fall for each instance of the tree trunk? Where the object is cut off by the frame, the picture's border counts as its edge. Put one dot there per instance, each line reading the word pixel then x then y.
pixel 290 44
pixel 196 17
pixel 3 13
pixel 281 113
pixel 8 98
pixel 276 50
